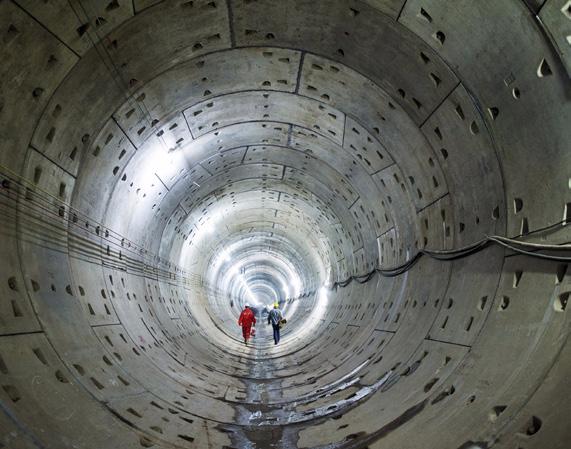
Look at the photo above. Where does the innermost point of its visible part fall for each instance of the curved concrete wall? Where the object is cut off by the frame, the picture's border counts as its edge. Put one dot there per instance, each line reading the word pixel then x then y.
pixel 164 162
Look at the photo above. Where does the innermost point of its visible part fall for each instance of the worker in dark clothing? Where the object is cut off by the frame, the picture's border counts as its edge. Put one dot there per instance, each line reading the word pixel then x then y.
pixel 246 320
pixel 275 318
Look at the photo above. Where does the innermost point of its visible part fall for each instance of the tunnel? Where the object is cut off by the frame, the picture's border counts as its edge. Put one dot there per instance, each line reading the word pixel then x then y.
pixel 394 174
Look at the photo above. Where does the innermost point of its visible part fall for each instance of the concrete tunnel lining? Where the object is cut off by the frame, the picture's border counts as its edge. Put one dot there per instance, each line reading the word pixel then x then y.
pixel 313 141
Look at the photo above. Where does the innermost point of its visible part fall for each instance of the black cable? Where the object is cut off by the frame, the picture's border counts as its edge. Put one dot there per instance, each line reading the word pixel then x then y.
pixel 39 216
pixel 450 255
pixel 531 253
pixel 35 209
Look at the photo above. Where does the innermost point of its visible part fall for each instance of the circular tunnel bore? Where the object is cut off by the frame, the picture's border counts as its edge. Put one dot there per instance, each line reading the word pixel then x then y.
pixel 164 163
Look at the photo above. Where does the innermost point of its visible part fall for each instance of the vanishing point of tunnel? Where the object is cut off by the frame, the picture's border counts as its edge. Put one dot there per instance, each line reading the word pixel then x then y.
pixel 394 174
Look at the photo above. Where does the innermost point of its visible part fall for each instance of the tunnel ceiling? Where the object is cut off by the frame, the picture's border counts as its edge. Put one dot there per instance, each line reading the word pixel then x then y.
pixel 164 163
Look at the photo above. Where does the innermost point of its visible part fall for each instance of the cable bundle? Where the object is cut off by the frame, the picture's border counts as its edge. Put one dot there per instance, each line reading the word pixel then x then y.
pixel 99 244
pixel 517 246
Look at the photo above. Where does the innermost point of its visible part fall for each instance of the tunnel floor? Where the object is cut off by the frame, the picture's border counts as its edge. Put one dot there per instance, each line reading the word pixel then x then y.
pixel 255 430
pixel 268 420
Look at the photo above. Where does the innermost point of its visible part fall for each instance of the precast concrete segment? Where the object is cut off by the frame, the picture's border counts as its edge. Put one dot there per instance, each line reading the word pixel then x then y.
pixel 144 141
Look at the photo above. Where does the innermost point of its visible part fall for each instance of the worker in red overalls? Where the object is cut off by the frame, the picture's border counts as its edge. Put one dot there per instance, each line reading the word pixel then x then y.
pixel 246 320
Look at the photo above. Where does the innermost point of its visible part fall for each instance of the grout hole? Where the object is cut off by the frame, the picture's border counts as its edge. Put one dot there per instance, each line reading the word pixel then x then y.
pixel 435 79
pixel 561 272
pixel 39 354
pixel 145 442
pixel 517 278
pixel 440 37
pixel 12 284
pixel 524 226
pixel 37 174
pixel 561 302
pixel 96 383
pixel 494 112
pixel 469 324
pixel 82 29
pixel 134 412
pixel 60 377
pixel 482 303
pixel 532 426
pixel 496 412
pixel 3 367
pixel 504 303
pixel 35 285
pixel 12 393
pixel 430 384
pixel 424 15
pixel 544 70
pixel 16 309
pixel 518 205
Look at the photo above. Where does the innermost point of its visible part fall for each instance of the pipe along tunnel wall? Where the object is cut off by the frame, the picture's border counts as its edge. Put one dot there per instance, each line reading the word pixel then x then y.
pixel 164 162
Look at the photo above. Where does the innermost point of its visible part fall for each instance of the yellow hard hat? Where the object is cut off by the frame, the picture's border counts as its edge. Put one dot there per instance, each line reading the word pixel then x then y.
pixel 276 305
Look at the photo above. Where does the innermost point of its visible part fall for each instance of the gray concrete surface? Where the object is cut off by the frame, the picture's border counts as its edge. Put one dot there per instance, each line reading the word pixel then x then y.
pixel 164 162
